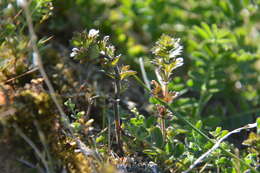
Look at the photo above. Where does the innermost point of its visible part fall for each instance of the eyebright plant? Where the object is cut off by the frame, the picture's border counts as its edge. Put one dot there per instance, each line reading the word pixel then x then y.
pixel 166 51
pixel 109 61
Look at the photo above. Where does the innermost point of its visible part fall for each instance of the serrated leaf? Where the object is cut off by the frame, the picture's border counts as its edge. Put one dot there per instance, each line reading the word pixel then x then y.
pixel 126 74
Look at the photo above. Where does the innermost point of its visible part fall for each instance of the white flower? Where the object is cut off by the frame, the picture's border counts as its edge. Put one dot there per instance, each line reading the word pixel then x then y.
pixel 179 62
pixel 21 3
pixel 106 38
pixel 102 52
pixel 93 33
pixel 177 51
pixel 74 52
pixel 75 49
pixel 111 48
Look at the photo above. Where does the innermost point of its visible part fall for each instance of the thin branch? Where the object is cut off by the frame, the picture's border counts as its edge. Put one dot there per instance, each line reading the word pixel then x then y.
pixel 141 83
pixel 33 38
pixel 36 150
pixel 64 117
pixel 27 163
pixel 116 108
pixel 217 145
pixel 44 143
pixel 21 75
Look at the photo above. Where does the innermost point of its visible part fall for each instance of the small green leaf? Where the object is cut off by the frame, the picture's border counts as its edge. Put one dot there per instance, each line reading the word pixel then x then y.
pixel 156 137
pixel 190 83
pixel 150 121
pixel 75 126
pixel 218 130
pixel 169 148
pixel 179 149
pixel 150 152
pixel 153 100
pixel 100 139
pixel 222 161
pixel 126 74
pixel 199 124
pixel 201 32
pixel 80 114
pixel 224 132
pixel 70 105
pixel 137 121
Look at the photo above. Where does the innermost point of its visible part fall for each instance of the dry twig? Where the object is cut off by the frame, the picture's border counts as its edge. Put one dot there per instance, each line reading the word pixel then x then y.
pixel 217 144
pixel 43 73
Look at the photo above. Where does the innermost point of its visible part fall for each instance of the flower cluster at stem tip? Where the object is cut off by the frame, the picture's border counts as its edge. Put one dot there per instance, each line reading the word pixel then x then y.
pixel 166 51
pixel 91 36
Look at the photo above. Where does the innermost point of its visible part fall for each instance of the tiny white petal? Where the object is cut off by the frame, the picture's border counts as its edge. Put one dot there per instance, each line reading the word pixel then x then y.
pixel 77 150
pixel 75 49
pixel 176 52
pixel 102 52
pixel 93 33
pixel 157 50
pixel 179 60
pixel 111 47
pixel 118 56
pixel 72 54
pixel 179 64
pixel 106 38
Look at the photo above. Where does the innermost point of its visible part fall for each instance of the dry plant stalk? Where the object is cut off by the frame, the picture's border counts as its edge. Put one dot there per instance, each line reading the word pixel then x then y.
pixel 64 118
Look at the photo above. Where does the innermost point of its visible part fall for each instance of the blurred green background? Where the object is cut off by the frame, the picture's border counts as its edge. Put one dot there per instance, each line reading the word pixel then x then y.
pixel 220 78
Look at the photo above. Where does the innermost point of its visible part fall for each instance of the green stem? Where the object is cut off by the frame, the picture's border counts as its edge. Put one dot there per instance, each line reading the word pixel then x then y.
pixel 116 108
pixel 163 128
pixel 141 83
pixel 203 93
